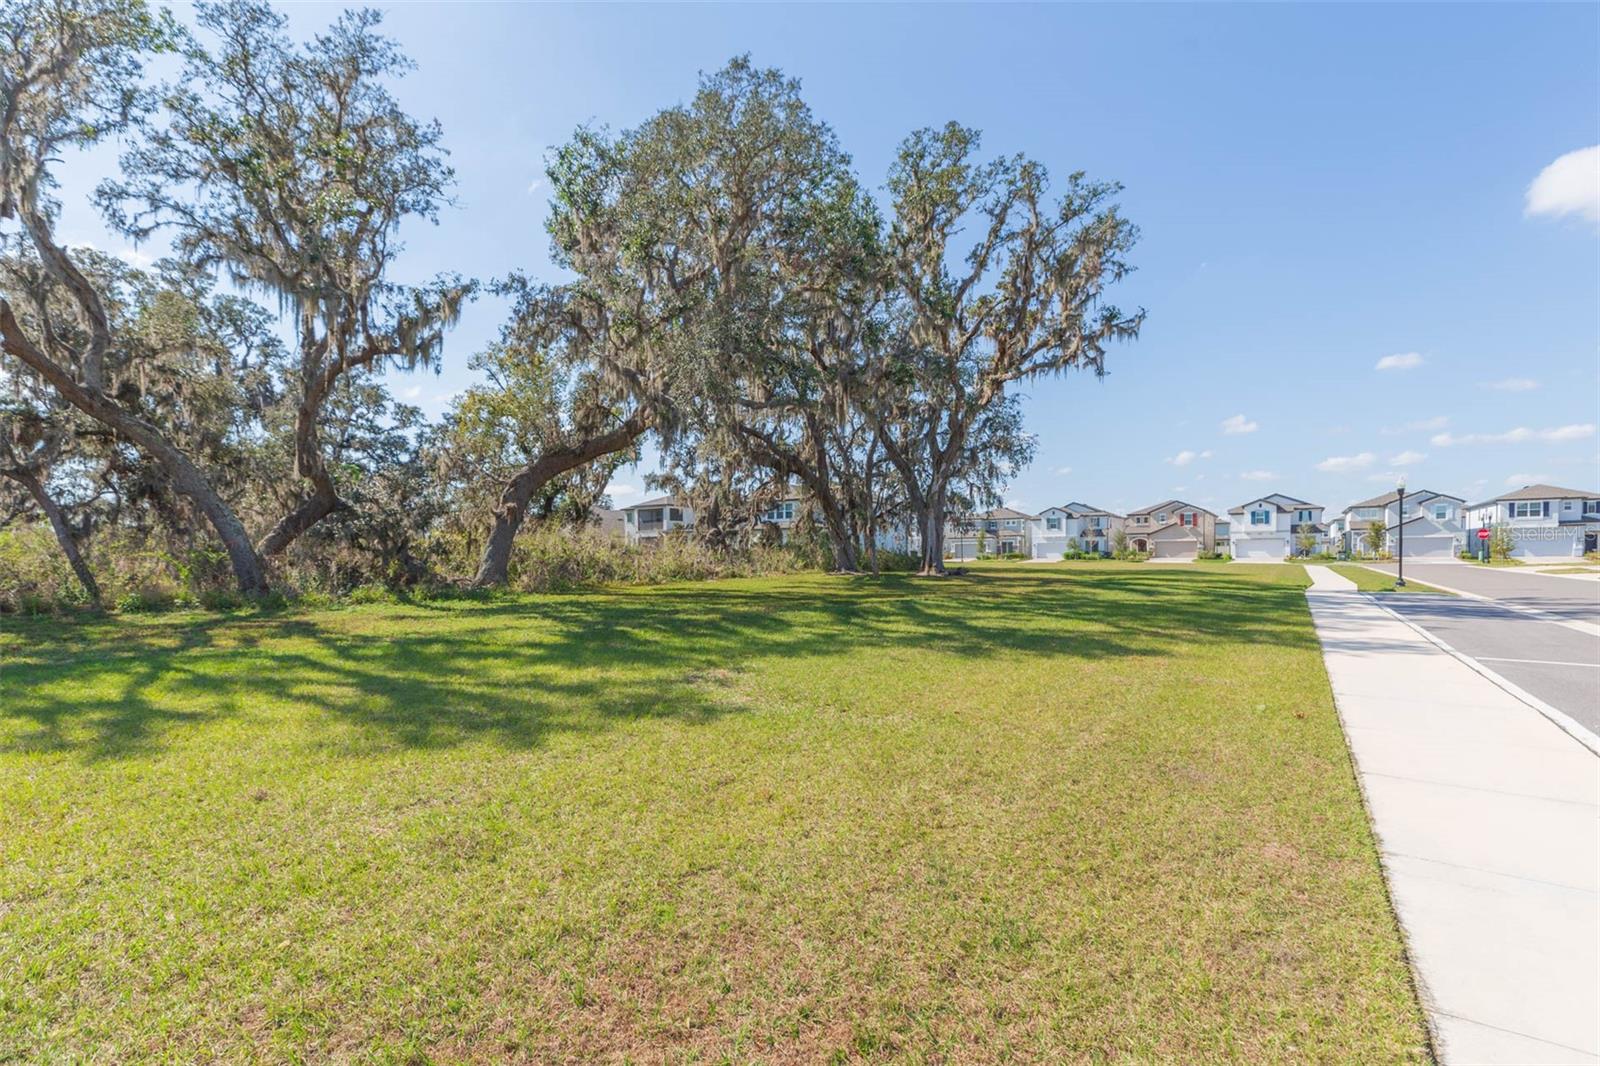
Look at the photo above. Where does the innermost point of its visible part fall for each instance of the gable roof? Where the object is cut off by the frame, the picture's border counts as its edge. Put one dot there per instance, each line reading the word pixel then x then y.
pixel 1279 501
pixel 1003 512
pixel 659 501
pixel 1171 505
pixel 1393 495
pixel 1542 492
pixel 1082 510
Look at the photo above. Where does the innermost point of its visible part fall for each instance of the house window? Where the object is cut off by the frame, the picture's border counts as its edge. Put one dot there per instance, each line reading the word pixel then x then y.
pixel 1368 512
pixel 1261 518
pixel 1591 506
pixel 1162 517
pixel 1441 511
pixel 1052 523
pixel 1302 516
pixel 1528 509
pixel 1011 523
pixel 674 514
pixel 629 515
pixel 783 512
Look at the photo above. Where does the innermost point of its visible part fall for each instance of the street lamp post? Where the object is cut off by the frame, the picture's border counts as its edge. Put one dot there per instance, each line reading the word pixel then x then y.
pixel 1400 579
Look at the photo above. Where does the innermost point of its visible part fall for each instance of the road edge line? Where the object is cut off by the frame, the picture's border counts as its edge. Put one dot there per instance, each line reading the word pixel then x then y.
pixel 1586 628
pixel 1560 719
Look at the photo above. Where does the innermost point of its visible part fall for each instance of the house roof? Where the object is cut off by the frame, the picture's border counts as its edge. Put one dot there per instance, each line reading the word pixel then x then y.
pixel 1394 495
pixel 659 501
pixel 1004 512
pixel 1083 510
pixel 1171 505
pixel 1541 492
pixel 1279 500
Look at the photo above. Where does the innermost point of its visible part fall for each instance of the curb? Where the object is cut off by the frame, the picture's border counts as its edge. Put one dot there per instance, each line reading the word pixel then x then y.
pixel 1588 628
pixel 1560 719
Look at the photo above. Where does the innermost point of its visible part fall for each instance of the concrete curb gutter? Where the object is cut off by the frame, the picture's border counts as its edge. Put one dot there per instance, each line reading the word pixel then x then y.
pixel 1565 723
pixel 1582 627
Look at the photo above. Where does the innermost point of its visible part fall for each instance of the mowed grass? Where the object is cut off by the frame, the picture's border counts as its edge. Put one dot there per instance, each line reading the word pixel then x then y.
pixel 1369 580
pixel 1045 813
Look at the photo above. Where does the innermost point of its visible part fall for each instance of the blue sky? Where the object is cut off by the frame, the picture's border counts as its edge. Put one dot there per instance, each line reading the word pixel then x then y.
pixel 1320 188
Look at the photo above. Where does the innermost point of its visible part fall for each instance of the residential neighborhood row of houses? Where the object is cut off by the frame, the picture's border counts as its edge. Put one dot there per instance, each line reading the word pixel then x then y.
pixel 1544 522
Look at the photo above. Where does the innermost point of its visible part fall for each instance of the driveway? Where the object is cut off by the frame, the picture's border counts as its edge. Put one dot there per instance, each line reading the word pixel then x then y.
pixel 1540 633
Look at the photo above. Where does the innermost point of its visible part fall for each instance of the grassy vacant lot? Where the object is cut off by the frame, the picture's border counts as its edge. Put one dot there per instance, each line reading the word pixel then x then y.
pixel 1369 580
pixel 1036 813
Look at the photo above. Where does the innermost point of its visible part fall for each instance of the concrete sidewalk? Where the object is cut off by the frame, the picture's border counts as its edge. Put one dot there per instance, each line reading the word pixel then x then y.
pixel 1488 822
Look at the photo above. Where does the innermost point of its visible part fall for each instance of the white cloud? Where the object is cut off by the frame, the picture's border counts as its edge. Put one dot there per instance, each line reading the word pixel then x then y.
pixel 1258 475
pixel 1339 464
pixel 1406 458
pixel 1239 424
pixel 1517 480
pixel 1400 361
pixel 533 186
pixel 623 490
pixel 1063 471
pixel 413 392
pixel 1421 425
pixel 1520 435
pixel 1569 186
pixel 1512 384
pixel 1185 457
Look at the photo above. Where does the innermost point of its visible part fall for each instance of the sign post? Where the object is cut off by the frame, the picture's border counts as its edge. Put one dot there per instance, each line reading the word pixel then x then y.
pixel 1483 542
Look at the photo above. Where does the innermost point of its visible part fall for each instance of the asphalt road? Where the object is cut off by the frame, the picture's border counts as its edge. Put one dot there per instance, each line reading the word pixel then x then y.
pixel 1559 663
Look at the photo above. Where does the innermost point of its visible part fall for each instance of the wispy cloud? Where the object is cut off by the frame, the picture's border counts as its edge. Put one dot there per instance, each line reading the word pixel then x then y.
pixel 1400 361
pixel 1340 464
pixel 623 490
pixel 1422 425
pixel 1516 480
pixel 1258 475
pixel 1512 385
pixel 1063 471
pixel 534 185
pixel 1239 424
pixel 1386 477
pixel 1185 457
pixel 1406 458
pixel 1520 435
pixel 1569 186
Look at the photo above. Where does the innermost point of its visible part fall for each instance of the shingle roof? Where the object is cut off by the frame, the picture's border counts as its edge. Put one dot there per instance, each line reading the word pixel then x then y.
pixel 1411 494
pixel 1005 512
pixel 659 501
pixel 1281 501
pixel 1543 492
pixel 1171 505
pixel 1083 510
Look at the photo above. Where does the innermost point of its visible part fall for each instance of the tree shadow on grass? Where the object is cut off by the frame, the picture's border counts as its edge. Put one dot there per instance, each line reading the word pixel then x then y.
pixel 516 671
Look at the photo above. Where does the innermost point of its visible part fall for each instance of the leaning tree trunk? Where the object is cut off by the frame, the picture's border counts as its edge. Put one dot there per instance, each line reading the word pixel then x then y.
pixel 495 565
pixel 58 523
pixel 187 478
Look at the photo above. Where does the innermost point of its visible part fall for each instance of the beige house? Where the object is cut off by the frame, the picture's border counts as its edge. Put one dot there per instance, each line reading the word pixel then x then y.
pixel 1172 529
pixel 1001 531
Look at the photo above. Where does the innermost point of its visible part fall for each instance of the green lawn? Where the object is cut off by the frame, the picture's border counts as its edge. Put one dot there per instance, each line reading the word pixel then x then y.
pixel 1369 580
pixel 1046 813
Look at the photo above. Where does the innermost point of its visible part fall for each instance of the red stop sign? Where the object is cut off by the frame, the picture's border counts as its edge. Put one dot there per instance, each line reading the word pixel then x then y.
pixel 1483 534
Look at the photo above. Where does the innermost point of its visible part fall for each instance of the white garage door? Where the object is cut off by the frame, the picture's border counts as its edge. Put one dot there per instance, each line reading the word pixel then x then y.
pixel 1261 549
pixel 1430 547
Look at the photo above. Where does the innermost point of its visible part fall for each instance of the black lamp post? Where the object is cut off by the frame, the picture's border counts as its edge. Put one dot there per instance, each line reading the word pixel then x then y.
pixel 1400 579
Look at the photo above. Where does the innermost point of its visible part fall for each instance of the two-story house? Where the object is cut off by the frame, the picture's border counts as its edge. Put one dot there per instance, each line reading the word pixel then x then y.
pixel 1002 531
pixel 1074 527
pixel 1545 521
pixel 1270 527
pixel 1172 530
pixel 1433 524
pixel 647 522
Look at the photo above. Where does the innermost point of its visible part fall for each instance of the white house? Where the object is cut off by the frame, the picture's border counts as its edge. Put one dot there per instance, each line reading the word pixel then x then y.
pixel 1433 524
pixel 1546 522
pixel 647 522
pixel 1076 527
pixel 1268 527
